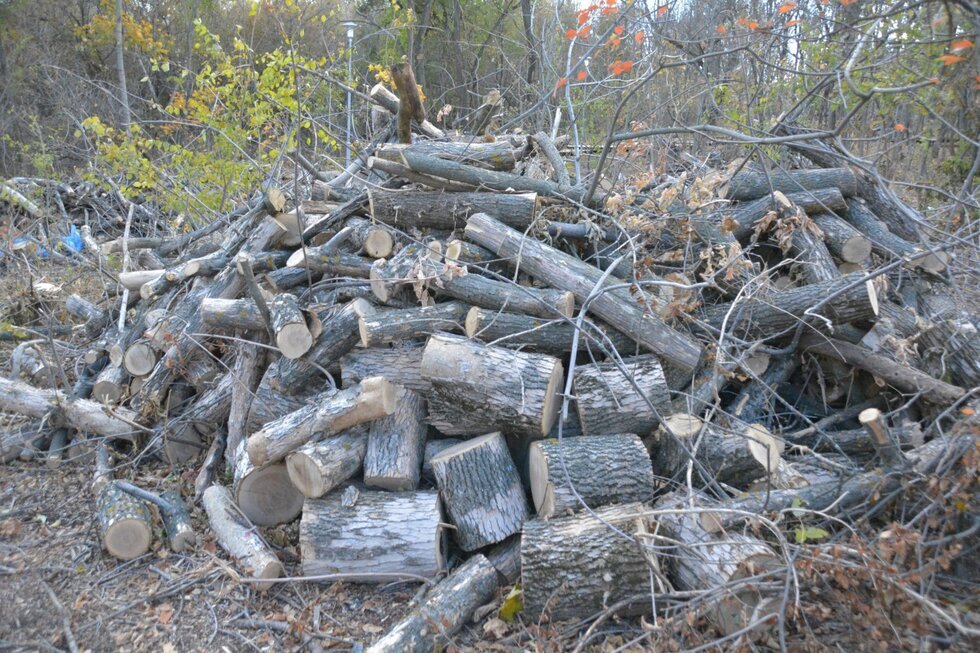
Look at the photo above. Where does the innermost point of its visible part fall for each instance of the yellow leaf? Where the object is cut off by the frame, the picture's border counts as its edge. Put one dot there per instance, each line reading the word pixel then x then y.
pixel 513 604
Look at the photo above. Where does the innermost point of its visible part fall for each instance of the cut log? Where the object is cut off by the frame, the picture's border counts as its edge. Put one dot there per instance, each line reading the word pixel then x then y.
pixel 808 248
pixel 565 272
pixel 703 561
pixel 844 241
pixel 482 491
pixel 382 535
pixel 409 100
pixel 733 458
pixel 575 567
pixel 376 241
pixel 181 440
pixel 447 607
pixel 208 472
pixel 140 358
pixel 238 537
pixel 210 408
pixel 390 278
pixel 778 311
pixel 385 98
pixel 450 211
pixel 81 414
pixel 506 559
pixel 325 260
pixel 125 523
pixel 755 402
pixel 885 243
pixel 230 314
pixel 247 371
pixel 742 218
pixel 477 290
pixel 498 155
pixel 393 460
pixel 15 439
pixel 135 279
pixel 264 494
pixel 293 336
pixel 611 401
pixel 748 185
pixel 202 374
pixel 475 387
pixel 326 414
pixel 318 467
pixel 873 421
pixel 173 512
pixel 541 335
pixel 599 469
pixel 954 341
pixel 30 363
pixel 432 449
pixel 401 366
pixel 398 325
pixel 901 376
pixel 96 319
pixel 110 385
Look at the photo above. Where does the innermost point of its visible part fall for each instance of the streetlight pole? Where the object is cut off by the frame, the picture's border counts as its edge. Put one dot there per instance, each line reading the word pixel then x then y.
pixel 350 75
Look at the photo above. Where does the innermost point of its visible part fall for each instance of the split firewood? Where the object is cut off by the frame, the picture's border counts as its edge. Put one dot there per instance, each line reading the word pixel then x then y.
pixel 346 540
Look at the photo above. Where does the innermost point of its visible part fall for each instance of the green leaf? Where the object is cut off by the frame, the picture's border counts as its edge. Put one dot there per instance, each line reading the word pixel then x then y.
pixel 805 533
pixel 513 604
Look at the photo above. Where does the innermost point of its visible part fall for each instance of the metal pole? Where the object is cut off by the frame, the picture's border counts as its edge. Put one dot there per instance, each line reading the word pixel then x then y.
pixel 350 75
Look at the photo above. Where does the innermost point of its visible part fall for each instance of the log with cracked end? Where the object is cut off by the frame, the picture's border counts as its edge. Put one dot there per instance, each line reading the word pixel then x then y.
pixel 381 535
pixel 239 537
pixel 475 388
pixel 735 458
pixel 599 469
pixel 482 490
pixel 326 414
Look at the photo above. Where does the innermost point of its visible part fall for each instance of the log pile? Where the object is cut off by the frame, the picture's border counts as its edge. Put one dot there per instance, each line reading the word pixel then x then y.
pixel 465 363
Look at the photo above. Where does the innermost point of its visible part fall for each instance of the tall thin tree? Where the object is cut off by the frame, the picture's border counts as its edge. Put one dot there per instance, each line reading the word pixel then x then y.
pixel 121 67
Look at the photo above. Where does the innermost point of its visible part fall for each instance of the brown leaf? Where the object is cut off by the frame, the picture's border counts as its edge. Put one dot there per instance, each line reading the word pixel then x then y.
pixel 496 628
pixel 165 613
pixel 10 528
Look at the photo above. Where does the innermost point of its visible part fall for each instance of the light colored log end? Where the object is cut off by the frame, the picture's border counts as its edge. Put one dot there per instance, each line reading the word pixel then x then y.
pixel 551 401
pixel 297 259
pixel 764 446
pixel 855 249
pixel 379 243
pixel 139 359
pixel 567 305
pixel 294 340
pixel 472 323
pixel 267 497
pixel 128 538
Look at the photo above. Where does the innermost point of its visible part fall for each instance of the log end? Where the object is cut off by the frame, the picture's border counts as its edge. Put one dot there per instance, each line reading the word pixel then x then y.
pixel 567 305
pixel 471 324
pixel 855 249
pixel 542 489
pixel 127 538
pixel 297 259
pixel 258 448
pixel 379 243
pixel 764 446
pixel 305 475
pixel 379 287
pixel 139 359
pixel 294 340
pixel 934 263
pixel 267 497
pixel 552 403
pixel 378 397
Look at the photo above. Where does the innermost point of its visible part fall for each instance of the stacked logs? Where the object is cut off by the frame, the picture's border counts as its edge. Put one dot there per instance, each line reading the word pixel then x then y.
pixel 436 369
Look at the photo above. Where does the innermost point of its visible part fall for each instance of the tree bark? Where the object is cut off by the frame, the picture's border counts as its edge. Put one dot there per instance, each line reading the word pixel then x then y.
pixel 401 366
pixel 885 243
pixel 608 402
pixel 125 523
pixel 397 325
pixel 238 537
pixel 318 467
pixel 750 185
pixel 293 337
pixel 393 460
pixel 541 335
pixel 844 241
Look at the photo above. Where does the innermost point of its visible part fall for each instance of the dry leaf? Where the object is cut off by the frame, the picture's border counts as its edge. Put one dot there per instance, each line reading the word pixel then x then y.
pixel 165 613
pixel 496 628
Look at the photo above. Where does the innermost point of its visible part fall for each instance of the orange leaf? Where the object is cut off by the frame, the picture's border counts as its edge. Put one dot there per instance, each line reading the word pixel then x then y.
pixel 752 24
pixel 582 33
pixel 721 29
pixel 790 23
pixel 583 17
pixel 788 7
pixel 561 83
pixel 570 33
pixel 614 41
pixel 950 59
pixel 662 9
pixel 639 37
pixel 610 2
pixel 899 127
pixel 610 11
pixel 960 45
pixel 618 30
pixel 581 75
pixel 847 2
pixel 628 66
pixel 967 411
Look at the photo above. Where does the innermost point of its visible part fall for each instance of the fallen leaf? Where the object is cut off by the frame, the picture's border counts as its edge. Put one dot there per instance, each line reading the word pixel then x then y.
pixel 10 528
pixel 165 613
pixel 960 45
pixel 513 604
pixel 495 628
pixel 950 59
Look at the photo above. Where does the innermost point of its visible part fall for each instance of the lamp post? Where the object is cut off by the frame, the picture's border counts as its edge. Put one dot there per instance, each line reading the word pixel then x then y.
pixel 350 74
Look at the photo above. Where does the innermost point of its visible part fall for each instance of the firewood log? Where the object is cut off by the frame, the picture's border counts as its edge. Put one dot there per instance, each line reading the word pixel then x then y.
pixel 202 374
pixel 441 210
pixel 397 325
pixel 506 559
pixel 396 443
pixel 110 385
pixel 293 337
pixel 401 365
pixel 742 220
pixel 140 358
pixel 326 260
pixel 247 371
pixel 565 272
pixel 173 512
pixel 600 469
pixel 382 535
pixel 432 449
pixel 318 467
pixel 559 558
pixel 95 318
pixel 375 240
pixel 264 493
pixel 14 439
pixel 482 491
pixel 125 523
pixel 385 98
pixel 734 458
pixel 748 185
pixel 475 387
pixel 326 414
pixel 542 335
pixel 181 440
pixel 498 155
pixel 267 405
pixel 887 244
pixel 608 400
pixel 210 408
pixel 444 611
pixel 844 241
pixel 239 537
pixel 391 278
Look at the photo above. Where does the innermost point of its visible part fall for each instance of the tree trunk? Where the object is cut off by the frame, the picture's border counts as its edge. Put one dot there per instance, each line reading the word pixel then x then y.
pixel 600 469
pixel 382 535
pixel 885 243
pixel 482 491
pixel 574 567
pixel 374 240
pixel 500 155
pixel 238 537
pixel 110 385
pixel 318 467
pixel 476 388
pixel 396 443
pixel 121 69
pixel 608 401
pixel 565 272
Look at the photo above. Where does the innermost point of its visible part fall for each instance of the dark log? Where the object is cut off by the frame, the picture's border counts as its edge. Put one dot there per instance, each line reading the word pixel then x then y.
pixel 597 470
pixel 565 272
pixel 748 185
pixel 450 211
pixel 268 405
pixel 432 625
pixel 574 567
pixel 395 325
pixel 238 537
pixel 954 340
pixel 96 319
pixel 755 402
pixel 328 413
pixel 326 260
pixel 212 461
pixel 264 493
pixel 382 535
pixel 776 311
pixel 734 458
pixel 396 443
pixel 608 400
pixel 808 248
pixel 125 523
pixel 403 172
pixel 541 335
pixel 741 219
pixel 210 408
pixel 498 155
pixel 475 388
pixel 318 467
pixel 844 241
pixel 181 440
pixel 401 366
pixel 57 449
pixel 482 491
pixel 903 377
pixel 506 559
